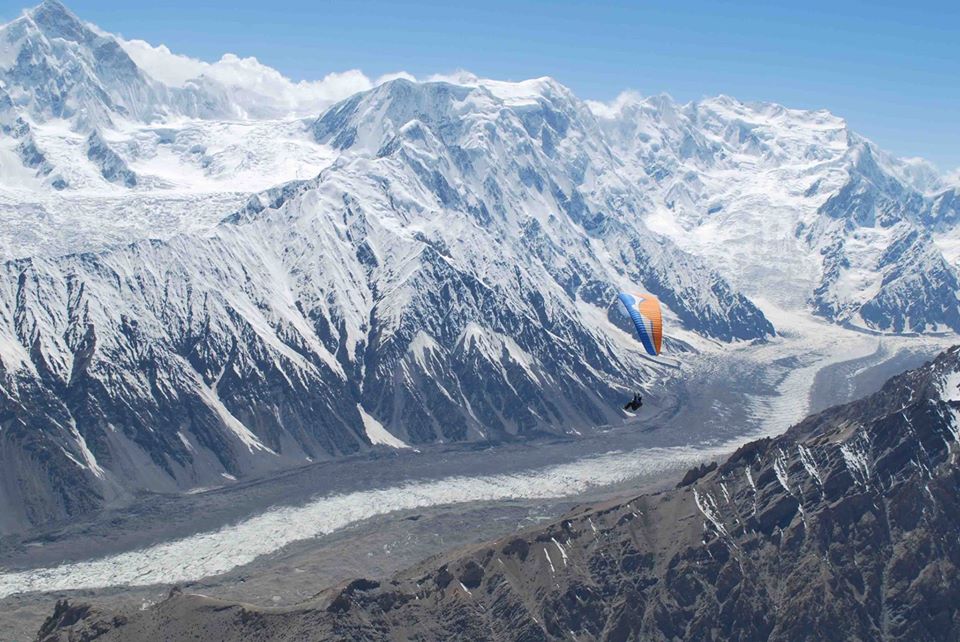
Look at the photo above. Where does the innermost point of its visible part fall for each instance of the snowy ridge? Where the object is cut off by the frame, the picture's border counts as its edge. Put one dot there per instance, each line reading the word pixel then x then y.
pixel 950 387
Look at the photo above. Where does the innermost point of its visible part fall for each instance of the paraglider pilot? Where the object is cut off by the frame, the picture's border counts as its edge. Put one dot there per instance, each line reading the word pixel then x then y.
pixel 635 403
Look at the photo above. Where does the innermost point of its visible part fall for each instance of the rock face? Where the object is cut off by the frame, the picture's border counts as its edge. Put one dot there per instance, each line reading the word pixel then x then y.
pixel 111 166
pixel 843 528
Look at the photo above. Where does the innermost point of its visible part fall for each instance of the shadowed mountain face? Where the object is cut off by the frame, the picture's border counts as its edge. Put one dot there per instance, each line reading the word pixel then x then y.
pixel 843 528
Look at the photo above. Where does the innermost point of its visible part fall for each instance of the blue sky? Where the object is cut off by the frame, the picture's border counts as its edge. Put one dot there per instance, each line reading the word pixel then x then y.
pixel 892 69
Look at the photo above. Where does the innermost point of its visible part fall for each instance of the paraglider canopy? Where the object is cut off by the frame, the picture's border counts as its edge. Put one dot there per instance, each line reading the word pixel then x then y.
pixel 644 309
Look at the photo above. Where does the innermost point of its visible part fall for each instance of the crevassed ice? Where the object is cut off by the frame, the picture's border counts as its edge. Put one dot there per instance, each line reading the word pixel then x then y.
pixel 219 551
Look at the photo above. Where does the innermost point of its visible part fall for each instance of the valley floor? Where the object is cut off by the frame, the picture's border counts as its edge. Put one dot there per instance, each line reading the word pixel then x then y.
pixel 280 540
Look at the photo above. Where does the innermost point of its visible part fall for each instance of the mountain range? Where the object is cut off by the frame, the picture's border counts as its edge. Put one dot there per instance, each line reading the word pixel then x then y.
pixel 204 284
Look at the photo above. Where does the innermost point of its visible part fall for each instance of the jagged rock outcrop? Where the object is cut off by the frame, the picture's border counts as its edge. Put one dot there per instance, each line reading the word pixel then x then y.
pixel 113 168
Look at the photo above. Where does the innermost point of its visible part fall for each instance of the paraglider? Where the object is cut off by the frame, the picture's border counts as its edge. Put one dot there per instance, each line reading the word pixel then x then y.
pixel 644 310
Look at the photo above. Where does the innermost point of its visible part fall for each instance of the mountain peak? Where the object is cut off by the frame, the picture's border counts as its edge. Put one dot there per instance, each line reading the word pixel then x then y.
pixel 51 6
pixel 57 21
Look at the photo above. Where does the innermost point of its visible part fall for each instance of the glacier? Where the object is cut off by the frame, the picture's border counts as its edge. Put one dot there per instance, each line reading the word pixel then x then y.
pixel 214 552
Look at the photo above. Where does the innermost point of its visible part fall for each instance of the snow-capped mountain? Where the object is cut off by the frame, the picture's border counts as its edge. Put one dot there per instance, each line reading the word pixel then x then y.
pixel 451 276
pixel 793 207
pixel 766 194
pixel 54 66
pixel 56 69
pixel 91 141
pixel 196 289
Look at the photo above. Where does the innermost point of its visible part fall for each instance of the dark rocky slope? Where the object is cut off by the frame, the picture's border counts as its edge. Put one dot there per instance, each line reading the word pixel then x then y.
pixel 844 528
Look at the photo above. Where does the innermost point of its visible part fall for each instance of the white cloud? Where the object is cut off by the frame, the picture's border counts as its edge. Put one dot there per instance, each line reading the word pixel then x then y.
pixel 395 76
pixel 458 77
pixel 162 64
pixel 921 174
pixel 258 91
pixel 250 76
pixel 614 107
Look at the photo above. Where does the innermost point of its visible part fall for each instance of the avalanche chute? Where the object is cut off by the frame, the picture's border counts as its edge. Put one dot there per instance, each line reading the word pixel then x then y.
pixel 644 309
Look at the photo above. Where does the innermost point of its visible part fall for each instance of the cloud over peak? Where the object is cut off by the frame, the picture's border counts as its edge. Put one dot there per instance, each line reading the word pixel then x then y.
pixel 249 75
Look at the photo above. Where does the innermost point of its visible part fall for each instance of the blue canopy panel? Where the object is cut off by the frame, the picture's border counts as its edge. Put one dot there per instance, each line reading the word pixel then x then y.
pixel 644 310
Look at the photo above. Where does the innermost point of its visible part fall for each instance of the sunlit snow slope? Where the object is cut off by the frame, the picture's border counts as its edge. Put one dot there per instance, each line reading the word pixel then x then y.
pixel 84 130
